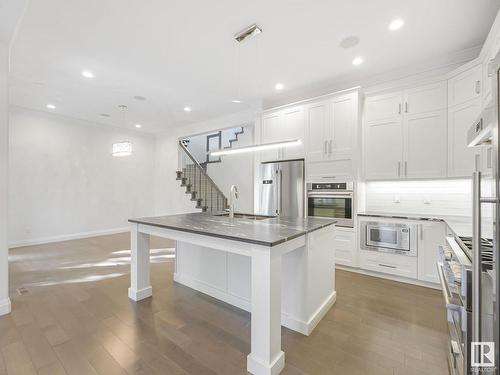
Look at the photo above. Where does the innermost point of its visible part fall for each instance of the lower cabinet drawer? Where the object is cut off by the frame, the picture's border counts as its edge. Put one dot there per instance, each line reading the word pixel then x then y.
pixel 345 245
pixel 399 265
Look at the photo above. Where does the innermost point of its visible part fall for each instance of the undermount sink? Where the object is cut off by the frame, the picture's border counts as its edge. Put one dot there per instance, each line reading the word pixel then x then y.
pixel 246 216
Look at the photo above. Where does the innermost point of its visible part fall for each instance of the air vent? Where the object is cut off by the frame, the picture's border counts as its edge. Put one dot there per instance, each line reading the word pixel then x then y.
pixel 247 32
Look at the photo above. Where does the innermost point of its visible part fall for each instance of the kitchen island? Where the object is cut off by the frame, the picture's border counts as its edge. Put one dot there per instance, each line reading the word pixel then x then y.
pixel 280 269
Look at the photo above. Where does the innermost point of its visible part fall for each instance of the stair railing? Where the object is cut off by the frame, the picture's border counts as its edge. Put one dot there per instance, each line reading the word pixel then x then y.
pixel 197 178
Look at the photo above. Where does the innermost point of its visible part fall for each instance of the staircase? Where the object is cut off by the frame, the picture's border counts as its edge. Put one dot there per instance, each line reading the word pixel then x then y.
pixel 198 184
pixel 231 135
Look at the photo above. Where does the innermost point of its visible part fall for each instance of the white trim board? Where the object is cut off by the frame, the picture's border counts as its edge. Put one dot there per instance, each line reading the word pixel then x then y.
pixel 380 275
pixel 67 237
pixel 5 307
pixel 287 320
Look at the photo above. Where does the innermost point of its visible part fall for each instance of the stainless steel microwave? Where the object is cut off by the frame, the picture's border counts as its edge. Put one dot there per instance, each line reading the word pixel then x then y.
pixel 396 238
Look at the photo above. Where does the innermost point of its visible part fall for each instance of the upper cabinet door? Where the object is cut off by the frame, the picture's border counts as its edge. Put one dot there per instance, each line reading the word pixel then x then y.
pixel 343 127
pixel 293 127
pixel 271 132
pixel 317 118
pixel 383 149
pixel 382 107
pixel 461 159
pixel 426 98
pixel 425 145
pixel 465 86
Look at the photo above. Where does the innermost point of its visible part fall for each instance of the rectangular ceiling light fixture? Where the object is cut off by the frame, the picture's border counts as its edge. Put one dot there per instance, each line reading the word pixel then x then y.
pixel 247 32
pixel 122 149
pixel 254 148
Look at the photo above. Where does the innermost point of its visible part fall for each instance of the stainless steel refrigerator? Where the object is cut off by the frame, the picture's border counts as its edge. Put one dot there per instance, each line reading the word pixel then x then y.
pixel 485 234
pixel 282 188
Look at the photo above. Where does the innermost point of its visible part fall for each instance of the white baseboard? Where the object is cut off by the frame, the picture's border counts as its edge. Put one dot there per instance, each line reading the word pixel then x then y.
pixel 400 279
pixel 5 306
pixel 203 287
pixel 67 237
pixel 288 321
pixel 307 327
pixel 257 367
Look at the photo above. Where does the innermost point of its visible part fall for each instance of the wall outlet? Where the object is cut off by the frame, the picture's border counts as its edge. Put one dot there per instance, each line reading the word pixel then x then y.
pixel 397 199
pixel 427 199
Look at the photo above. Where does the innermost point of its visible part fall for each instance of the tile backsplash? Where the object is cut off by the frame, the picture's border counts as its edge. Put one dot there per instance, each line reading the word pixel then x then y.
pixel 431 197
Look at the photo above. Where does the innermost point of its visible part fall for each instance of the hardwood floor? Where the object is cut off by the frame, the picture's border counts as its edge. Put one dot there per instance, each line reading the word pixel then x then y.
pixel 76 319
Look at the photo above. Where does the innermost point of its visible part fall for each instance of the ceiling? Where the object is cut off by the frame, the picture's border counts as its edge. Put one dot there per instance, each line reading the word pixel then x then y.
pixel 182 53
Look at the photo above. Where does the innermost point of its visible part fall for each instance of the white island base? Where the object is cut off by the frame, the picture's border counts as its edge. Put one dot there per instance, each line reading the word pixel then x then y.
pixel 290 284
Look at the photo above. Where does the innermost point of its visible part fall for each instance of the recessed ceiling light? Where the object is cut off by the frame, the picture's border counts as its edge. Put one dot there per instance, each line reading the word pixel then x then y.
pixel 396 24
pixel 51 106
pixel 187 109
pixel 87 74
pixel 139 97
pixel 138 126
pixel 279 86
pixel 105 115
pixel 237 101
pixel 357 61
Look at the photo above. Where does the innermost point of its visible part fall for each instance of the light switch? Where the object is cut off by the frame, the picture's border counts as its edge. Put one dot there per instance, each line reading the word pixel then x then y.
pixel 397 199
pixel 427 199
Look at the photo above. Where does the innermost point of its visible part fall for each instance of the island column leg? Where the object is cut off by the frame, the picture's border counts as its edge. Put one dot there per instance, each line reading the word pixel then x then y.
pixel 266 356
pixel 140 285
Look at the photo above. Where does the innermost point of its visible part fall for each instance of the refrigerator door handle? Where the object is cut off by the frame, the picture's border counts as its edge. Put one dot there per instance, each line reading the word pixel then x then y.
pixel 476 254
pixel 281 192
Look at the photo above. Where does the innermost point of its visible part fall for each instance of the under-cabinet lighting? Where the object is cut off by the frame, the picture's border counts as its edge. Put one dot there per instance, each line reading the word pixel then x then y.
pixel 261 147
pixel 122 149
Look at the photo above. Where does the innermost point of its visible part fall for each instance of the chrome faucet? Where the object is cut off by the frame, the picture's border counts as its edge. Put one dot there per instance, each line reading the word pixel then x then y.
pixel 232 196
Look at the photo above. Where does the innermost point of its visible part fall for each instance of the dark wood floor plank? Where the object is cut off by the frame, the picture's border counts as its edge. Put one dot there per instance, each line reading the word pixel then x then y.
pixel 76 319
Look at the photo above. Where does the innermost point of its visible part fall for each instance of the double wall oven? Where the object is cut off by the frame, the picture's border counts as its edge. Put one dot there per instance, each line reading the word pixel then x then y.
pixel 332 200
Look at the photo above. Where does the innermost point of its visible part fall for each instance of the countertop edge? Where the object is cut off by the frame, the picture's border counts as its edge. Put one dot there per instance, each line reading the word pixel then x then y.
pixel 231 238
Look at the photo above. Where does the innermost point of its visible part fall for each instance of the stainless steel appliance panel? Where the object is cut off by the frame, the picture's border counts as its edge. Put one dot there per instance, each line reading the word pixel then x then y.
pixel 291 183
pixel 332 200
pixel 282 189
pixel 389 237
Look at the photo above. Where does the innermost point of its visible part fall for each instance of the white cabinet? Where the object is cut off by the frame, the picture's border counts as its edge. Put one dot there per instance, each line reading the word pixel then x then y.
pixel 317 119
pixel 411 143
pixel 283 125
pixel 382 107
pixel 431 236
pixel 465 86
pixel 332 128
pixel 425 145
pixel 293 127
pixel 393 264
pixel 383 149
pixel 461 158
pixel 345 246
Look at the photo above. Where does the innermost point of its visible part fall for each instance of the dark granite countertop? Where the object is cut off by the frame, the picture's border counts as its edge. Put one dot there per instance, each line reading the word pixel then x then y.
pixel 268 232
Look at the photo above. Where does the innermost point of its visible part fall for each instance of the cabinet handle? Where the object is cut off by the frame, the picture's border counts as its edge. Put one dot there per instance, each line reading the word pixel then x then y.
pixel 386 265
pixel 478 87
pixel 399 169
pixel 406 169
pixel 406 107
pixel 324 147
pixel 399 111
pixel 421 232
pixel 330 147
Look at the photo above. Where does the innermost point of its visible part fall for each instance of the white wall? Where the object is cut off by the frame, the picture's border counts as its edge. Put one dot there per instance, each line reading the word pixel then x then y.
pixel 65 182
pixel 447 197
pixel 4 175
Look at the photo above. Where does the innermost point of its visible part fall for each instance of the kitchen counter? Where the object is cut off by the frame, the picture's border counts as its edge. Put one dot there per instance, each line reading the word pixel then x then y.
pixel 266 232
pixel 460 225
pixel 280 269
